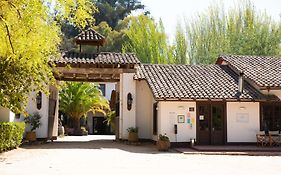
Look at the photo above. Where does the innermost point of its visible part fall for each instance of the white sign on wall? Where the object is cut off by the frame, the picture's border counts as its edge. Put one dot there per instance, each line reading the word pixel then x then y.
pixel 172 117
pixel 242 117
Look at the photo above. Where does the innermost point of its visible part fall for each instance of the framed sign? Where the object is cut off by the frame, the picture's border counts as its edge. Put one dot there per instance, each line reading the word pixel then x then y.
pixel 181 119
pixel 191 109
pixel 242 117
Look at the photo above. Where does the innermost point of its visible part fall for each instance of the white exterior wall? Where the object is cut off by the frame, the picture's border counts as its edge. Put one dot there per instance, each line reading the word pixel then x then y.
pixel 243 121
pixel 273 92
pixel 6 115
pixel 108 89
pixel 127 118
pixel 167 118
pixel 144 110
pixel 42 131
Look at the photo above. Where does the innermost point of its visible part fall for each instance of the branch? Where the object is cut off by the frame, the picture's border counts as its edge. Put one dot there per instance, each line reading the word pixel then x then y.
pixel 8 33
pixel 15 8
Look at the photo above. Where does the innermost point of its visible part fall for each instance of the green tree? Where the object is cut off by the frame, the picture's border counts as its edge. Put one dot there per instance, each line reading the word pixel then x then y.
pixel 180 46
pixel 148 40
pixel 112 11
pixel 30 35
pixel 241 30
pixel 77 99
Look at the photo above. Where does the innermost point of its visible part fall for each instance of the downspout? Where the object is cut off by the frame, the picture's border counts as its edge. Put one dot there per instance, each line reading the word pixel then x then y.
pixel 240 83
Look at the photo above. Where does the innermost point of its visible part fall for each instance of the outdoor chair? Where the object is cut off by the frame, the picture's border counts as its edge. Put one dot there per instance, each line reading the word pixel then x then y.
pixel 278 141
pixel 260 139
pixel 274 137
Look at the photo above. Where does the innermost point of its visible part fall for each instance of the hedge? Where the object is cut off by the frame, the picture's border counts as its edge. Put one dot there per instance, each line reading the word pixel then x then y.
pixel 11 134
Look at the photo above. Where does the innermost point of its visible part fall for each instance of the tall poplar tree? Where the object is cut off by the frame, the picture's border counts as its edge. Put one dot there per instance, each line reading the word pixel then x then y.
pixel 241 30
pixel 148 40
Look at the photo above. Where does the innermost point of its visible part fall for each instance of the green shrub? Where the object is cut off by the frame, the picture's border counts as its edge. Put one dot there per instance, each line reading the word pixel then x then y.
pixel 133 129
pixel 11 134
pixel 163 137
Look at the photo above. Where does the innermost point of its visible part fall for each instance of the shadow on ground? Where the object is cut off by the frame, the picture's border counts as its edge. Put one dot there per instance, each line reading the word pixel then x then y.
pixel 142 147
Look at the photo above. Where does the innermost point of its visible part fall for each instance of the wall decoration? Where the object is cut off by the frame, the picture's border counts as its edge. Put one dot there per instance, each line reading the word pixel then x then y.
pixel 172 117
pixel 193 120
pixel 181 119
pixel 191 109
pixel 188 120
pixel 242 117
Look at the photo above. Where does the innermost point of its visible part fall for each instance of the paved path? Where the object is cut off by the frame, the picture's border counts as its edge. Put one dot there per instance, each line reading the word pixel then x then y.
pixel 100 155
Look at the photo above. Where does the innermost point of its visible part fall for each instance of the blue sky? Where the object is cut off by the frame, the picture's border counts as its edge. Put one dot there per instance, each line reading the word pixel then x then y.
pixel 171 11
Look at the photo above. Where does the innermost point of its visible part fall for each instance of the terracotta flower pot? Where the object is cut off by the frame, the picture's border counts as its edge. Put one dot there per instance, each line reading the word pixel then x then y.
pixel 31 136
pixel 133 137
pixel 163 145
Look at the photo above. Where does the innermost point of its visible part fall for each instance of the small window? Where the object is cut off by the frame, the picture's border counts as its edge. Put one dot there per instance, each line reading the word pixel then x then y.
pixel 270 118
pixel 39 100
pixel 155 123
pixel 102 88
pixel 17 116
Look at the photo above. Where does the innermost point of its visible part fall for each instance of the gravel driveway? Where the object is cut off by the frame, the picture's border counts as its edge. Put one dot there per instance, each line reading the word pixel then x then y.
pixel 100 155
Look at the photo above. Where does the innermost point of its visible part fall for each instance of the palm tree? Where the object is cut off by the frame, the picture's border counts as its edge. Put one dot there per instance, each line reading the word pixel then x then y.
pixel 77 99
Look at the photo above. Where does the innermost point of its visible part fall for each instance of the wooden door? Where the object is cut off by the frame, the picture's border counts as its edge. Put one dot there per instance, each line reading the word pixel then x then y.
pixel 203 124
pixel 211 123
pixel 217 123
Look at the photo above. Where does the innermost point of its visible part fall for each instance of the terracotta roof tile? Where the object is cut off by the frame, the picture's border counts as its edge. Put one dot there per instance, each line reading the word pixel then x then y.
pixel 189 82
pixel 264 71
pixel 90 35
pixel 100 58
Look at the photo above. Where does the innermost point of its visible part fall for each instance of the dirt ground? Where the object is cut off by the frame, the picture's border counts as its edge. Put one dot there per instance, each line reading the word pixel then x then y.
pixel 99 154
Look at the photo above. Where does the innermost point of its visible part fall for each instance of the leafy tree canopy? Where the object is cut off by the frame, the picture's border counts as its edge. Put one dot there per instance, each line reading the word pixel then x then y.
pixel 112 11
pixel 148 40
pixel 241 30
pixel 30 35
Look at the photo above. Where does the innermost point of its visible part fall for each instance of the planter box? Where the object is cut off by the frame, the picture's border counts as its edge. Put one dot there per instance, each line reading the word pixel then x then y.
pixel 133 137
pixel 31 136
pixel 163 145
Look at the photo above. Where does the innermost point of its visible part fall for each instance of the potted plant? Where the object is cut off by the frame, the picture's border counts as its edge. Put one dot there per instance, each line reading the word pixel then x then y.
pixel 34 122
pixel 163 143
pixel 133 134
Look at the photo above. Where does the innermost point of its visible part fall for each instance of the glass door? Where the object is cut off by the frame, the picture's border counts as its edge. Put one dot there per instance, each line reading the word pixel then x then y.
pixel 217 131
pixel 203 118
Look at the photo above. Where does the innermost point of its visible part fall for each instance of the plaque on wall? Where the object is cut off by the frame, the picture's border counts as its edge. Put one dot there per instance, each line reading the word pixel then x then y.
pixel 181 119
pixel 191 109
pixel 242 117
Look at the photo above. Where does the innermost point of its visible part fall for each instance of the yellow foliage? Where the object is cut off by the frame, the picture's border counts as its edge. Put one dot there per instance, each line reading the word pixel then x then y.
pixel 30 35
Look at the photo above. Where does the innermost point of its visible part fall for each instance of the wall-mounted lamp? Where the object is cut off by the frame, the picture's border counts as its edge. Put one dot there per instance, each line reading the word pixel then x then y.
pixel 242 107
pixel 181 107
pixel 39 100
pixel 129 101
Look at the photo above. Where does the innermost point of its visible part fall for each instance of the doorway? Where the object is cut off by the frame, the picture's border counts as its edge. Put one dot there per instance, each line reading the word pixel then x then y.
pixel 211 123
pixel 100 126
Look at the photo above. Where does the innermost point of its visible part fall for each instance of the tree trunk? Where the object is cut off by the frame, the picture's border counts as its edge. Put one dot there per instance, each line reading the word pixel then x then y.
pixel 76 125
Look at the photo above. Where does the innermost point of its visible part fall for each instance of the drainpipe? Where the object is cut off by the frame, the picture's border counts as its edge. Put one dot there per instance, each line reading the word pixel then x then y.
pixel 240 83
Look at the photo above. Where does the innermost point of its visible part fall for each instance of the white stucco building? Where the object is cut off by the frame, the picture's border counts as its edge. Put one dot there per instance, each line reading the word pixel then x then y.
pixel 228 102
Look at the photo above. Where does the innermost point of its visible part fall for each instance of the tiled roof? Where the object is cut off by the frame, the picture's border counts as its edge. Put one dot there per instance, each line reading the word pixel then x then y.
pixel 189 82
pixel 263 71
pixel 90 35
pixel 100 58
